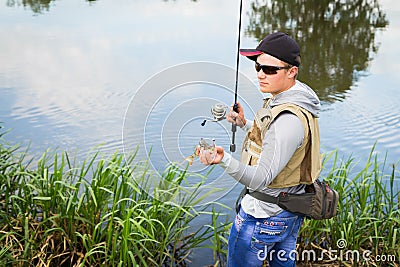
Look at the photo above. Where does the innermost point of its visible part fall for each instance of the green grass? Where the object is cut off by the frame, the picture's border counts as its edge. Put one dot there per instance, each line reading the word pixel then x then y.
pixel 114 211
pixel 100 212
pixel 368 217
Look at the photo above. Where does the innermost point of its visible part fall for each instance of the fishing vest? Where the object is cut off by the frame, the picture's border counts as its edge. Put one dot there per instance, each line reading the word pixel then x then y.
pixel 305 165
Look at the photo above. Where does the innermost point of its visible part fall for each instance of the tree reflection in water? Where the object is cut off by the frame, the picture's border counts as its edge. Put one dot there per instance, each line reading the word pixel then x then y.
pixel 37 6
pixel 336 38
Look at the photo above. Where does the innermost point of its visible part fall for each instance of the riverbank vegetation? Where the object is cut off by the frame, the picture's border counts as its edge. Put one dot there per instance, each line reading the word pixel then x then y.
pixel 100 212
pixel 366 230
pixel 104 212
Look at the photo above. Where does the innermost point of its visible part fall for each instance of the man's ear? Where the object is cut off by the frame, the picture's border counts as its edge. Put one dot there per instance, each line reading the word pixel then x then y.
pixel 292 72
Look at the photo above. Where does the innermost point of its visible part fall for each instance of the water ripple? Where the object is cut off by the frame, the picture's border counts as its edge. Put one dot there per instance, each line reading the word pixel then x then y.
pixel 354 126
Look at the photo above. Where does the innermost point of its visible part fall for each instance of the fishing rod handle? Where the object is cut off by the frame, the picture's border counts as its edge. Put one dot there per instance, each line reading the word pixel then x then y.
pixel 233 146
pixel 236 108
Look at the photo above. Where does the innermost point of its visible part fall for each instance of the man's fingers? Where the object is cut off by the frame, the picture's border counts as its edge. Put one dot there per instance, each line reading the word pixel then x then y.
pixel 206 156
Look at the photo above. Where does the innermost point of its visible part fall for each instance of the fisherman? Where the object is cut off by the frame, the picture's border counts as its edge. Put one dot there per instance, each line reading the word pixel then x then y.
pixel 280 154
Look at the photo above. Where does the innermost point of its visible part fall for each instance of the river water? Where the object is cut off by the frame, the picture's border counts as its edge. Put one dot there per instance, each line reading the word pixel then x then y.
pixel 76 75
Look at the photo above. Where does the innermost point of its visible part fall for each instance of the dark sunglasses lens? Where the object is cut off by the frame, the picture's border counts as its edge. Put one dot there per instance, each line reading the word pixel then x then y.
pixel 266 69
pixel 269 69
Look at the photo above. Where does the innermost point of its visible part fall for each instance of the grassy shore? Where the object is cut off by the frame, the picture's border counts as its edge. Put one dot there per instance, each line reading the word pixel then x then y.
pixel 99 212
pixel 365 231
pixel 104 211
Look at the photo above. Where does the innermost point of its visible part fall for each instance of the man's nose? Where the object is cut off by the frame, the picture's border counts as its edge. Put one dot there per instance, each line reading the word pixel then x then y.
pixel 261 74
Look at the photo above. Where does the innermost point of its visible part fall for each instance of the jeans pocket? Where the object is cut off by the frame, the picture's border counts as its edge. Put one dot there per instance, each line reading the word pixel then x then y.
pixel 270 231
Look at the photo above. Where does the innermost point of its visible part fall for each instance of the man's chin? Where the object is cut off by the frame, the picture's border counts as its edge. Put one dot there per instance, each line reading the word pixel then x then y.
pixel 265 90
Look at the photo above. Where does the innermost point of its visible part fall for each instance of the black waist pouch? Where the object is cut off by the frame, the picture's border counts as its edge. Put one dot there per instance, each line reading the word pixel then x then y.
pixel 319 202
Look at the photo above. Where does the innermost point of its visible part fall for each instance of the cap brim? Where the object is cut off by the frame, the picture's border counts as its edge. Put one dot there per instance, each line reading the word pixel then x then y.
pixel 250 53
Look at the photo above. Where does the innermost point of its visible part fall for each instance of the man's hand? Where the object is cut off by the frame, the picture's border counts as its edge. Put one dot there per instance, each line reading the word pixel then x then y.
pixel 208 157
pixel 237 117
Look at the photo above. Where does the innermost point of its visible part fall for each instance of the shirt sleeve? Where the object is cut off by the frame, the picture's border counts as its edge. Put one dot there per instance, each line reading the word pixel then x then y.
pixel 282 139
pixel 247 126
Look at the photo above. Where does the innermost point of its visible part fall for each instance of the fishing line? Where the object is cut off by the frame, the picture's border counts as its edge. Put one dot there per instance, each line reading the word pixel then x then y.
pixel 235 106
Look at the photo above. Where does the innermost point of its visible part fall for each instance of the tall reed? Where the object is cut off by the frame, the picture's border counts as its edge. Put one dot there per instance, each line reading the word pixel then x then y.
pixel 366 228
pixel 114 211
pixel 100 212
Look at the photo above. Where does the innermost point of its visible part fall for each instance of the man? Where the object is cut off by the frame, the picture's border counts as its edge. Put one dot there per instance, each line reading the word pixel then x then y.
pixel 280 154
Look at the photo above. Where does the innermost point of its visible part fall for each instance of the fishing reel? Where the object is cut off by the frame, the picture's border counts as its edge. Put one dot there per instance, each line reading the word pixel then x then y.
pixel 218 111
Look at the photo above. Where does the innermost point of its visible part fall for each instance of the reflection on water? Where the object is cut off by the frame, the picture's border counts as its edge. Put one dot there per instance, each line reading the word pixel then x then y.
pixel 336 38
pixel 37 6
pixel 40 6
pixel 59 89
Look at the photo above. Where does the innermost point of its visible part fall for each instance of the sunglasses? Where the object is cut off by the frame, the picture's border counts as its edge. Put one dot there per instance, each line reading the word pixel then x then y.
pixel 269 69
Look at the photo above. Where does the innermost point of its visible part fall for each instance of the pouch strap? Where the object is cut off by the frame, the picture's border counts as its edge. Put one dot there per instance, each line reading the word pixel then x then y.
pixel 257 195
pixel 265 197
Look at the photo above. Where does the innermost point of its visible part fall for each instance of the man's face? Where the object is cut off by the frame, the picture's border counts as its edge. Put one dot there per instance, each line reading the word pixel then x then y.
pixel 275 83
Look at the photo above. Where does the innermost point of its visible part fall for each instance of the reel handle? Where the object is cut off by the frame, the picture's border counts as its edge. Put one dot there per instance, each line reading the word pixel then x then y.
pixel 218 111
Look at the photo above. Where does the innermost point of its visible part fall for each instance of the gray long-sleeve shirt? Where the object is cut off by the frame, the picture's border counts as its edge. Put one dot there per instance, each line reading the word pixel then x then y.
pixel 281 140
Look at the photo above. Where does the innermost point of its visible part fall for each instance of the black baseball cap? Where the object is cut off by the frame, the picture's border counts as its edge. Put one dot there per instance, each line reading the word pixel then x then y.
pixel 279 45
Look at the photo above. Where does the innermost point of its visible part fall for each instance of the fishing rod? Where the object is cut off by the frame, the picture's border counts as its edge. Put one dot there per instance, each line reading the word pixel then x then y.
pixel 235 105
pixel 219 110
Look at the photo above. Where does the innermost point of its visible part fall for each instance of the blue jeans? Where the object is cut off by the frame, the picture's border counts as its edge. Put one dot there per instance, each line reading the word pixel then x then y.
pixel 253 240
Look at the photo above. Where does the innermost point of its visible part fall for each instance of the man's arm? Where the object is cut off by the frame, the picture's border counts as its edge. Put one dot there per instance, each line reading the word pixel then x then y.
pixel 284 136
